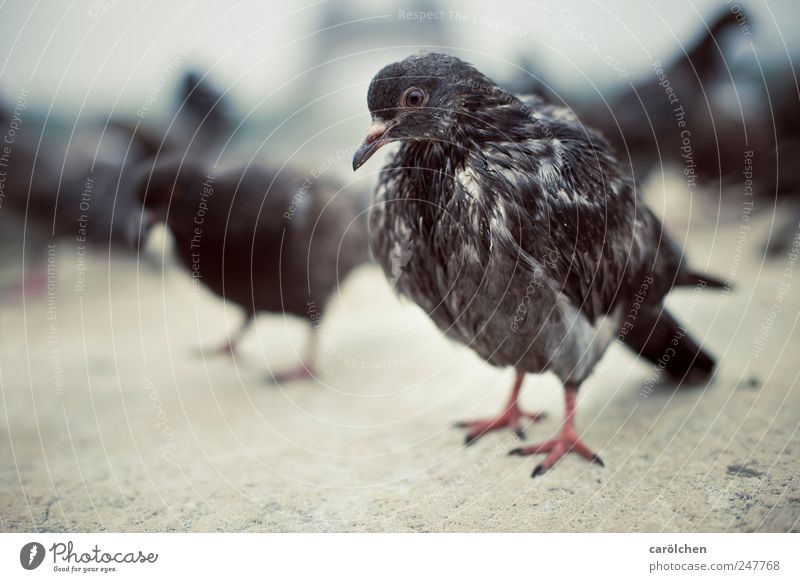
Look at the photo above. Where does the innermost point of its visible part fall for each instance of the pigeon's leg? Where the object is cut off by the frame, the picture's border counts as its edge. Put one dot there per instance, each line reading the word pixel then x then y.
pixel 511 417
pixel 229 347
pixel 303 370
pixel 780 243
pixel 33 283
pixel 568 442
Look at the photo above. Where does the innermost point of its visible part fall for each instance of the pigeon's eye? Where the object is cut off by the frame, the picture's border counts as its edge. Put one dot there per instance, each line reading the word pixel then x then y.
pixel 414 97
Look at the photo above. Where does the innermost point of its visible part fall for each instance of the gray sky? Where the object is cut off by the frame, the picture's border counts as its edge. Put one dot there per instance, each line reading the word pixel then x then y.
pixel 94 54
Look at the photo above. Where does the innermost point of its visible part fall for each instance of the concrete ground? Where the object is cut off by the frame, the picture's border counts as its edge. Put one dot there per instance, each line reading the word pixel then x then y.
pixel 110 423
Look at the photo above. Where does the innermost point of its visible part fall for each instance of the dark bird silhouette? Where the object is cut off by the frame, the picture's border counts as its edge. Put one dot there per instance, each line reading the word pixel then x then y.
pixel 738 117
pixel 525 237
pixel 268 241
pixel 60 175
pixel 203 124
pixel 203 101
pixel 205 119
pixel 64 179
pixel 640 122
pixel 91 200
pixel 62 185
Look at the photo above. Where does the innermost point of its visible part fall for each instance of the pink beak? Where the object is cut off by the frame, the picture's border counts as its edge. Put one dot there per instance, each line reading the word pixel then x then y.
pixel 371 144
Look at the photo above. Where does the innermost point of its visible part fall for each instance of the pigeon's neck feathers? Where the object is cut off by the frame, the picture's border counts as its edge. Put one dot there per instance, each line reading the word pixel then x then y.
pixel 500 118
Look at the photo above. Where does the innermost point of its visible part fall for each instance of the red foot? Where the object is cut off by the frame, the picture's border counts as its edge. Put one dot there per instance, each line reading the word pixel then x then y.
pixel 228 349
pixel 569 442
pixel 33 285
pixel 301 372
pixel 510 418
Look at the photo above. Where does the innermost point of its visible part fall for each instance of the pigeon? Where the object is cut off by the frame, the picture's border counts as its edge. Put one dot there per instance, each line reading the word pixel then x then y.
pixel 199 99
pixel 205 121
pixel 266 240
pixel 647 122
pixel 525 237
pixel 64 180
pixel 61 187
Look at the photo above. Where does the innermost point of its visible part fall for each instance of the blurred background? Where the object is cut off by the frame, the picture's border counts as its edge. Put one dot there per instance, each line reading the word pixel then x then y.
pixel 110 421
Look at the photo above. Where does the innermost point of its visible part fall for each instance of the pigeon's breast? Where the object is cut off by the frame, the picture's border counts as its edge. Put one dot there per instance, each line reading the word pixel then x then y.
pixel 478 294
pixel 512 316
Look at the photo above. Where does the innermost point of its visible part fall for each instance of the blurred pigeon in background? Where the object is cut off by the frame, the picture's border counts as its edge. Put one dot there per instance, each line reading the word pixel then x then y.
pixel 62 187
pixel 267 240
pixel 729 122
pixel 640 121
pixel 63 179
pixel 204 122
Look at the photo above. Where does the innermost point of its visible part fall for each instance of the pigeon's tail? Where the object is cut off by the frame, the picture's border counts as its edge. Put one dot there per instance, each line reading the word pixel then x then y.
pixel 692 279
pixel 657 336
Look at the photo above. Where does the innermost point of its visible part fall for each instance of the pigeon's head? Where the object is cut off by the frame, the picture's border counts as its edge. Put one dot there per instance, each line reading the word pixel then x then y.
pixel 420 98
pixel 153 183
pixel 163 186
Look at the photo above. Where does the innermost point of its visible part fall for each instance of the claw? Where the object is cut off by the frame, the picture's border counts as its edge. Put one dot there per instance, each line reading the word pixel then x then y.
pixel 510 418
pixel 538 470
pixel 568 442
pixel 302 372
pixel 228 349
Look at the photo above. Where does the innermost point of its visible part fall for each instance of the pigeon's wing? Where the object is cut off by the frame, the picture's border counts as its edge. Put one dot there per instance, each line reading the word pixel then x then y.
pixel 571 216
pixel 243 209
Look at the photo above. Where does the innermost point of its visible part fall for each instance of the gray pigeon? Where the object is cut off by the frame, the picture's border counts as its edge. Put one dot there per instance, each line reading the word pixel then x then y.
pixel 524 236
pixel 266 240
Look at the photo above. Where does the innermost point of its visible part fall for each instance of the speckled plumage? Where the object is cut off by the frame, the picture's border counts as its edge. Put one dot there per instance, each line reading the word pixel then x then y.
pixel 527 240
